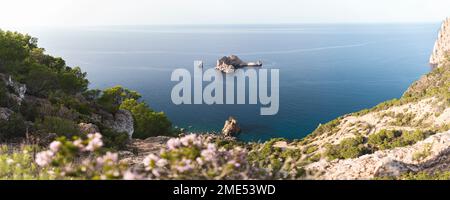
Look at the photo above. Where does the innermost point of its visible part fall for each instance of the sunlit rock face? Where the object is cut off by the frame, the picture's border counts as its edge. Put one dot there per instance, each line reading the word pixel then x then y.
pixel 122 122
pixel 442 45
pixel 231 127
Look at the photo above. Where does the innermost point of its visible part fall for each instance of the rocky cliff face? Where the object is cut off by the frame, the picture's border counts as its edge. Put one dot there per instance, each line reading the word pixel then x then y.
pixel 442 45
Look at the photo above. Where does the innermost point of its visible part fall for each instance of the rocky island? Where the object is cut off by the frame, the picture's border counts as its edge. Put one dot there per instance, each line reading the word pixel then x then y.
pixel 228 64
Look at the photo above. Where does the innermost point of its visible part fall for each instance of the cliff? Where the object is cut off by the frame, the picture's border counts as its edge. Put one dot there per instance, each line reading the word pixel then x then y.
pixel 442 45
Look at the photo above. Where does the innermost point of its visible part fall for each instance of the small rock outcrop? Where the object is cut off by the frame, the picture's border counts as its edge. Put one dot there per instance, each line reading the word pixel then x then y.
pixel 5 113
pixel 442 45
pixel 228 64
pixel 122 122
pixel 19 90
pixel 231 127
pixel 88 128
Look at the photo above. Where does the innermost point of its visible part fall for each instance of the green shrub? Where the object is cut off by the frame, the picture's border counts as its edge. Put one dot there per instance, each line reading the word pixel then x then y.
pixel 388 139
pixel 92 95
pixel 279 162
pixel 147 122
pixel 114 140
pixel 347 148
pixel 14 127
pixel 18 164
pixel 59 126
pixel 73 80
pixel 310 149
pixel 3 95
pixel 328 127
pixel 112 98
pixel 71 102
pixel 419 155
pixel 442 175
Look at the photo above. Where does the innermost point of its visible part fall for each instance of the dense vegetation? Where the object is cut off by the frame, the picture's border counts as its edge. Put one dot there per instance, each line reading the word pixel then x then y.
pixel 57 97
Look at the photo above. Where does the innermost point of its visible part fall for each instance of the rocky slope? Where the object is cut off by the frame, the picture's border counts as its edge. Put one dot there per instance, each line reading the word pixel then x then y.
pixel 427 154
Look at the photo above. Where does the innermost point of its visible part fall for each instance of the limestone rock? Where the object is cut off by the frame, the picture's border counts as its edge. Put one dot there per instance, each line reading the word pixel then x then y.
pixel 18 88
pixel 231 127
pixel 442 45
pixel 122 122
pixel 5 113
pixel 88 128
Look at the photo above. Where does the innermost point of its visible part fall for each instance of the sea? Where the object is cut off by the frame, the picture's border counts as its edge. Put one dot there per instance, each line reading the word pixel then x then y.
pixel 325 70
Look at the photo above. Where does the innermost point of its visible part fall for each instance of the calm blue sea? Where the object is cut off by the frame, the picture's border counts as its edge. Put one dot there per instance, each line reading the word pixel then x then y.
pixel 325 70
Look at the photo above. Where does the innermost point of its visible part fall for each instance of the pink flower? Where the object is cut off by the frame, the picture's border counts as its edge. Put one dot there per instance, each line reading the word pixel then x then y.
pixel 173 143
pixel 129 175
pixel 55 145
pixel 44 158
pixel 161 162
pixel 186 140
pixel 78 143
pixel 95 142
pixel 186 165
pixel 149 161
pixel 108 157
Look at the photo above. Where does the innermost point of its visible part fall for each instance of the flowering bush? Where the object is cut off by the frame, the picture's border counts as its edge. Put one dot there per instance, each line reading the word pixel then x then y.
pixel 280 163
pixel 16 163
pixel 80 159
pixel 188 157
pixel 196 157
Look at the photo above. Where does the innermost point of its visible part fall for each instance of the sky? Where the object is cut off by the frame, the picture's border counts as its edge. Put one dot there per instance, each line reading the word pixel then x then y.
pixel 17 13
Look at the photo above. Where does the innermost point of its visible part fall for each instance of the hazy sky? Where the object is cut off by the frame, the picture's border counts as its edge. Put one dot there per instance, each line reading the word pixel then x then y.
pixel 132 12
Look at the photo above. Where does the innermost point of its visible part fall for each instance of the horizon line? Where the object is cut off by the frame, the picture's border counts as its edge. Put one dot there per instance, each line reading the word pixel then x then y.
pixel 229 24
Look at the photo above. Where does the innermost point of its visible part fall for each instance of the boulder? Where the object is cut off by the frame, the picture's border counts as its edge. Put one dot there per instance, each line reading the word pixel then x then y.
pixel 231 127
pixel 88 128
pixel 122 121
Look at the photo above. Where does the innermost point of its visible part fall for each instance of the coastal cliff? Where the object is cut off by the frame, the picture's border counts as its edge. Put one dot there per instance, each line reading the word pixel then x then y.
pixel 442 45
